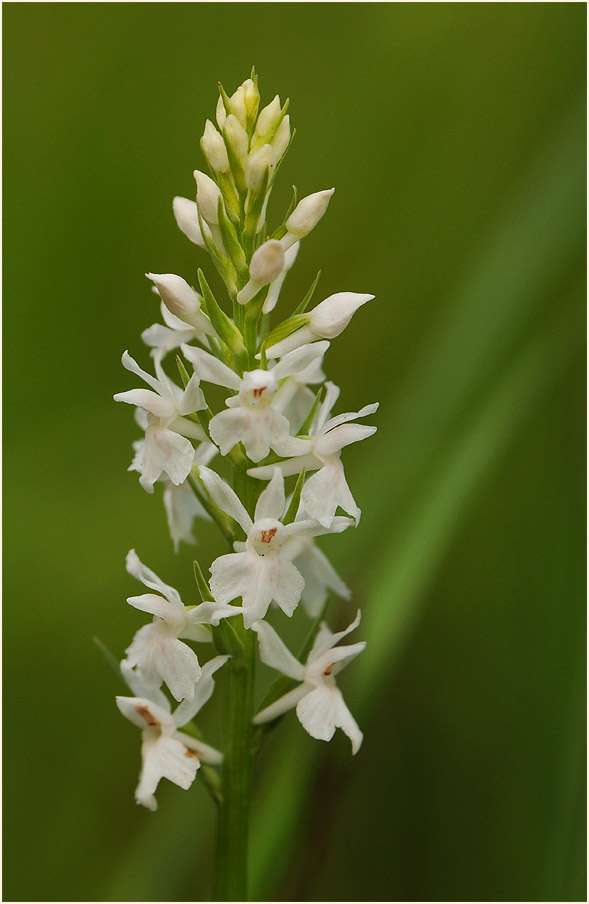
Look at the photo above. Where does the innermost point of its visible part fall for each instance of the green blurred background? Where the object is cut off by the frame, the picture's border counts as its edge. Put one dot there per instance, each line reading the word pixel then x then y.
pixel 455 136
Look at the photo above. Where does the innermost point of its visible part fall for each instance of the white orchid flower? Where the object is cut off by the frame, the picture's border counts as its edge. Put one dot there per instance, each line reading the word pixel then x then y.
pixel 260 570
pixel 166 447
pixel 319 702
pixel 156 651
pixel 250 417
pixel 328 488
pixel 167 752
pixel 294 399
pixel 163 339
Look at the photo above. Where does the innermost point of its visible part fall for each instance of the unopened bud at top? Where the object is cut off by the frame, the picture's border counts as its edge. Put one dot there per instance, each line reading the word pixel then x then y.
pixel 236 136
pixel 267 262
pixel 267 118
pixel 251 98
pixel 257 163
pixel 214 149
pixel 331 316
pixel 207 197
pixel 237 105
pixel 305 216
pixel 186 215
pixel 176 294
pixel 266 265
pixel 281 138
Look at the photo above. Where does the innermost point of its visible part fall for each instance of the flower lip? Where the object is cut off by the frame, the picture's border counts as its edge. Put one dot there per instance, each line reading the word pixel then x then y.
pixel 266 535
pixel 258 388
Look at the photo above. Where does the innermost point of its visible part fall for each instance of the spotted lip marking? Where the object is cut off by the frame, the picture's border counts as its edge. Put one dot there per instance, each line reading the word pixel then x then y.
pixel 190 753
pixel 268 534
pixel 258 392
pixel 328 670
pixel 146 714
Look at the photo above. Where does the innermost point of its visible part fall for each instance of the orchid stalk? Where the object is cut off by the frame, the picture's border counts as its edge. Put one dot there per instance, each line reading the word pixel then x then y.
pixel 284 484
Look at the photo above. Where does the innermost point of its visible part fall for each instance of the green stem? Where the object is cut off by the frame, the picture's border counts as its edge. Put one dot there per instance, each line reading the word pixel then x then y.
pixel 232 837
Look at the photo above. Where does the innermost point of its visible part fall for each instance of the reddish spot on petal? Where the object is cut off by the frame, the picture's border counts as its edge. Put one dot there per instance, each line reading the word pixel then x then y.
pixel 190 753
pixel 144 712
pixel 328 669
pixel 258 392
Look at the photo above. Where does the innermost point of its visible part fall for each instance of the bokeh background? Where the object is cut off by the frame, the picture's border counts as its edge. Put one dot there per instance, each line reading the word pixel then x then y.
pixel 455 136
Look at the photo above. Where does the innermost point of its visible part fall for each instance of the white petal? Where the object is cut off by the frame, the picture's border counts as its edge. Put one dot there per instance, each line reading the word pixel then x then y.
pixel 227 429
pixel 225 497
pixel 165 339
pixel 325 639
pixel 148 400
pixel 164 758
pixel 287 468
pixel 299 359
pixel 336 439
pixel 331 397
pixel 210 368
pixel 192 398
pixel 144 713
pixel 333 661
pixel 350 416
pixel 202 692
pixel 325 491
pixel 274 653
pixel 130 363
pixel 317 712
pixel 166 451
pixel 210 613
pixel 291 446
pixel 179 667
pixel 242 575
pixel 271 501
pixel 309 527
pixel 188 428
pixel 286 586
pixel 149 578
pixel 171 613
pixel 282 705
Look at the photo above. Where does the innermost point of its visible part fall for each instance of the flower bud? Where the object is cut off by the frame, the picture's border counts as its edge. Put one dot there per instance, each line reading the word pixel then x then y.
pixel 266 265
pixel 214 149
pixel 237 105
pixel 257 163
pixel 176 294
pixel 236 135
pixel 221 113
pixel 331 316
pixel 251 98
pixel 207 198
pixel 267 262
pixel 281 138
pixel 186 215
pixel 307 214
pixel 267 118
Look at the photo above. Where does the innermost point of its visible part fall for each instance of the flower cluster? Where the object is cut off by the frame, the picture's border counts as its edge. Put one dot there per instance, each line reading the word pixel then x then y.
pixel 282 443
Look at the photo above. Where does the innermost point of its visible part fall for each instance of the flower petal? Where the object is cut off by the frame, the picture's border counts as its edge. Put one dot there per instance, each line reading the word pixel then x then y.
pixel 274 653
pixel 350 416
pixel 202 692
pixel 192 398
pixel 204 752
pixel 166 451
pixel 225 497
pixel 148 400
pixel 272 500
pixel 296 361
pixel 325 491
pixel 332 442
pixel 210 369
pixel 149 578
pixel 325 639
pixel 144 713
pixel 320 576
pixel 164 758
pixel 171 613
pixel 130 364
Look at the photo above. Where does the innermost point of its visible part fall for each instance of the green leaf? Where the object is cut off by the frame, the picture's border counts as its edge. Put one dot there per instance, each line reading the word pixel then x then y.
pixel 224 326
pixel 296 499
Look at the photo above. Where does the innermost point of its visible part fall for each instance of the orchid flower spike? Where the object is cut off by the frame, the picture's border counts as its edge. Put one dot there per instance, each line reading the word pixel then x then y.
pixel 319 702
pixel 167 752
pixel 260 571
